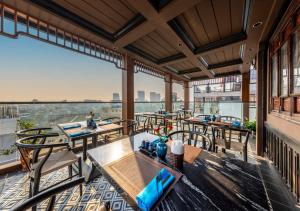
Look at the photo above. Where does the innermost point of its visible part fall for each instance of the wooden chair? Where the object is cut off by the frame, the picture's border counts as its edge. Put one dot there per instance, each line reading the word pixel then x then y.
pixel 34 131
pixel 145 124
pixel 51 194
pixel 31 132
pixel 40 165
pixel 130 124
pixel 194 138
pixel 112 119
pixel 231 119
pixel 226 142
pixel 197 127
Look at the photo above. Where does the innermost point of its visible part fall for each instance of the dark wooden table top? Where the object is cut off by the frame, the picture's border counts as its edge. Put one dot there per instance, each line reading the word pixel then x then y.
pixel 98 131
pixel 212 182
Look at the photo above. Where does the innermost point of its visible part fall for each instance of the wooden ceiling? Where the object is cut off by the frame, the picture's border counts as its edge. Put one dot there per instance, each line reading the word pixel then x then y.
pixel 190 39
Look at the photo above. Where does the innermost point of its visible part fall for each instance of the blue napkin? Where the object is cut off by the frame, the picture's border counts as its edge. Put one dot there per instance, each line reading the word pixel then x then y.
pixel 80 133
pixel 236 124
pixel 71 126
pixel 207 118
pixel 154 190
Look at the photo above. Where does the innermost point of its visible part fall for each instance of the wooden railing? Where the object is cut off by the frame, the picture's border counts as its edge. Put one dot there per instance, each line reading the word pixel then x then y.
pixel 284 152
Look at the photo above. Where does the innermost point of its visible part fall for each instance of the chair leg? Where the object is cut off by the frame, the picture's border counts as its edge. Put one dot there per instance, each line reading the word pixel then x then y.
pixel 80 174
pixel 30 187
pixel 245 154
pixel 70 171
pixel 51 203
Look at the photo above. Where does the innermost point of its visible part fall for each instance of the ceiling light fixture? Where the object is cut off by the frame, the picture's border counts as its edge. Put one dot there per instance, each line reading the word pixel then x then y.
pixel 257 24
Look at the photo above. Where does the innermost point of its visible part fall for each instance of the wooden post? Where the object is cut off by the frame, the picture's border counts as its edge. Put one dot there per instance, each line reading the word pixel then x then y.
pixel 245 94
pixel 128 91
pixel 168 93
pixel 261 98
pixel 186 95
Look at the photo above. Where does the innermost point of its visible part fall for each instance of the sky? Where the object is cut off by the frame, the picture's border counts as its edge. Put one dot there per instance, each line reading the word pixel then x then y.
pixel 31 69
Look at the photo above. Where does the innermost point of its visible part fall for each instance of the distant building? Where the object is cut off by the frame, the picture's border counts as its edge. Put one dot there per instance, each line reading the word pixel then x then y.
pixel 174 97
pixel 116 97
pixel 140 96
pixel 154 96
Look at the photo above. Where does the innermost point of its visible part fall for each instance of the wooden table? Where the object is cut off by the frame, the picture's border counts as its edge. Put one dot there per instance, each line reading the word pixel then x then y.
pixel 210 183
pixel 94 133
pixel 223 125
pixel 157 116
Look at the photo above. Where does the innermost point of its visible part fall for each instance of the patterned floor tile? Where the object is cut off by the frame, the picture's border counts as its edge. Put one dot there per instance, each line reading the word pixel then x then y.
pixel 15 191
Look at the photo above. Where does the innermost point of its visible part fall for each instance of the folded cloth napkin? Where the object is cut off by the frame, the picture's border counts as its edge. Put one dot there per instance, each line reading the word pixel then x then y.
pixel 71 126
pixel 80 133
pixel 236 124
pixel 154 190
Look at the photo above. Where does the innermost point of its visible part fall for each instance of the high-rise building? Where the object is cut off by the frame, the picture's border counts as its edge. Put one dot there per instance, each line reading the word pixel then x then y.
pixel 140 96
pixel 154 96
pixel 174 96
pixel 116 97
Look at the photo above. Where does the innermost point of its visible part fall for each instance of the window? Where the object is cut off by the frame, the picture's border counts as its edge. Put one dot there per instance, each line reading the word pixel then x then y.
pixel 284 70
pixel 296 62
pixel 274 75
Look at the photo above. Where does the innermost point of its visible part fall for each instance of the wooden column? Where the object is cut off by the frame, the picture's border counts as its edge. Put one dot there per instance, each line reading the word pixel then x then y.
pixel 128 91
pixel 186 95
pixel 168 93
pixel 245 94
pixel 261 98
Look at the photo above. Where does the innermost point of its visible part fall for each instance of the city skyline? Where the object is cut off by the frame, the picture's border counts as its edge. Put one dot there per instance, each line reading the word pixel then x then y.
pixel 38 65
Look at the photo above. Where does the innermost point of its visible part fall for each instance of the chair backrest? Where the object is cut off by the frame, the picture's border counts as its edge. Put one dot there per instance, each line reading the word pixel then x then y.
pixel 203 116
pixel 49 193
pixel 230 118
pixel 194 138
pixel 33 131
pixel 244 132
pixel 112 119
pixel 34 144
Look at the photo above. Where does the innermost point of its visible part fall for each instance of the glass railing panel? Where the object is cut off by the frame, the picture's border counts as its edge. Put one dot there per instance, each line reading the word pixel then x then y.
pixel 140 107
pixel 46 115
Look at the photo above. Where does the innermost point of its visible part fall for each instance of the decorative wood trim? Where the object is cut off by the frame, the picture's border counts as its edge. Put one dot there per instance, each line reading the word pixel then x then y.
pixel 284 152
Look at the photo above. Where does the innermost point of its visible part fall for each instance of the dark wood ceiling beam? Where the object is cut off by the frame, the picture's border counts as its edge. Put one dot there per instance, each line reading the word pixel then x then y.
pixel 227 41
pixel 154 19
pixel 133 23
pixel 236 72
pixel 160 20
pixel 171 58
pixel 225 64
pixel 68 15
pixel 141 53
pixel 192 70
pixel 175 25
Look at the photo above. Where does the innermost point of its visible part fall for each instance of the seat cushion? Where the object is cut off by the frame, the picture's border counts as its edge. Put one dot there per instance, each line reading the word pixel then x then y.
pixel 56 161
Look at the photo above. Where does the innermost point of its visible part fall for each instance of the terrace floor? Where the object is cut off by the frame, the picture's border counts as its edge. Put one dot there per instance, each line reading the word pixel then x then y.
pixel 14 187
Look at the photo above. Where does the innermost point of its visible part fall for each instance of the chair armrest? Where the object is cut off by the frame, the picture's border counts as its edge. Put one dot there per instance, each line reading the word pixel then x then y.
pixel 34 129
pixel 47 194
pixel 20 142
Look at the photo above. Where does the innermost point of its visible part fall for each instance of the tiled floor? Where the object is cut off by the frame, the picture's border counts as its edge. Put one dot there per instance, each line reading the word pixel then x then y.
pixel 14 189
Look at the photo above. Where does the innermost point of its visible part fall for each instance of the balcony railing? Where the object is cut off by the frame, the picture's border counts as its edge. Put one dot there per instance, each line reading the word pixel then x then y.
pixel 49 114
